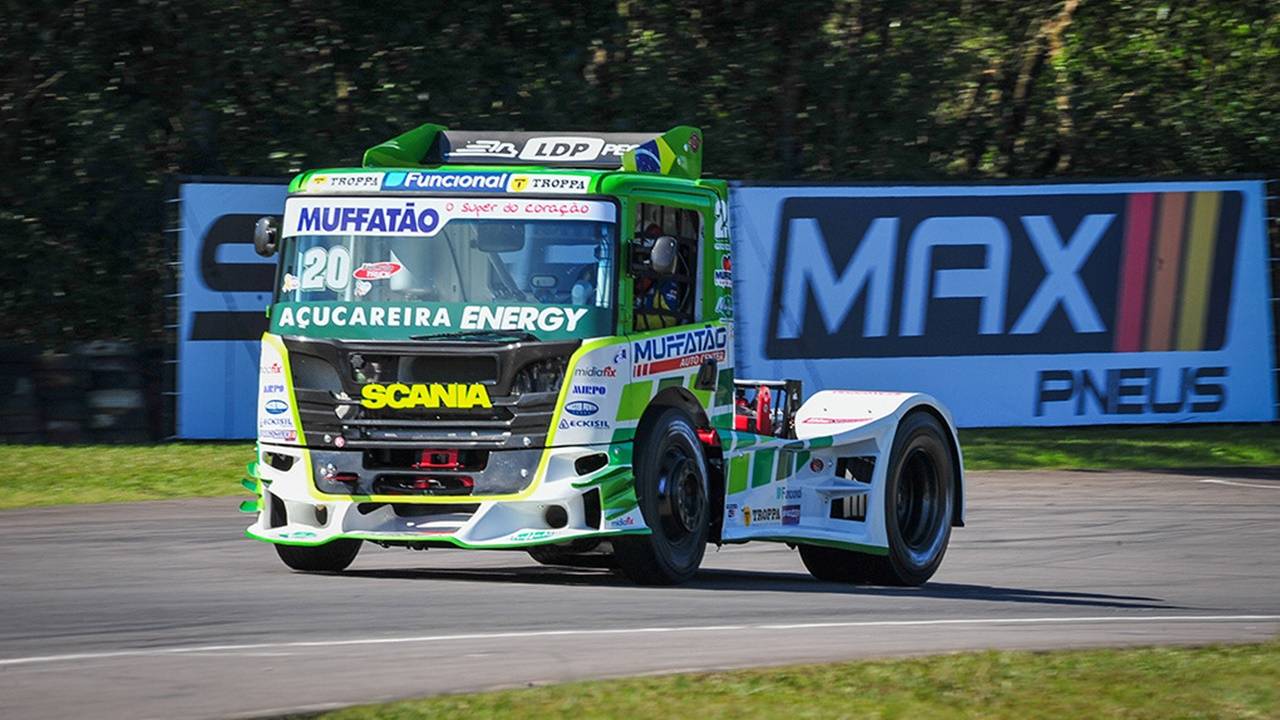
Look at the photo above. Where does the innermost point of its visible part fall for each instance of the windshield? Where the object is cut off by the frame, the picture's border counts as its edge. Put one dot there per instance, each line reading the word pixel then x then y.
pixel 423 266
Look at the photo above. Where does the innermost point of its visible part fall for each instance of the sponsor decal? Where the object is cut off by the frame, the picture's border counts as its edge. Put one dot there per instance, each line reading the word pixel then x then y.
pixel 1003 274
pixel 790 514
pixel 590 390
pixel 345 182
pixel 746 516
pixel 820 420
pixel 272 368
pixel 448 182
pixel 595 372
pixel 731 510
pixel 363 287
pixel 785 493
pixel 296 535
pixel 377 270
pixel 542 148
pixel 761 516
pixel 570 424
pixel 1131 391
pixel 277 434
pixel 724 306
pixel 550 184
pixel 816 465
pixel 530 535
pixel 679 350
pixel 626 521
pixel 289 283
pixel 400 396
pixel 620 355
pixel 472 317
pixel 581 408
pixel 272 388
pixel 724 274
pixel 405 219
pixel 275 407
pixel 275 422
pixel 486 148
pixel 424 217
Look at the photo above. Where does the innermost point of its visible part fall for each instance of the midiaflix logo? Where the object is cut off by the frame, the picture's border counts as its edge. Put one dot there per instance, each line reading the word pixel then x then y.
pixel 1002 274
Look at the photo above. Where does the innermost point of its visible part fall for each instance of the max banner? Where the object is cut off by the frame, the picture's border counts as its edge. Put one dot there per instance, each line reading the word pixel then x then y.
pixel 1057 304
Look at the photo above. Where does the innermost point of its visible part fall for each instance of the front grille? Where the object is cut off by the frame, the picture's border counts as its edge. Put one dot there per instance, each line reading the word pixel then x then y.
pixel 328 392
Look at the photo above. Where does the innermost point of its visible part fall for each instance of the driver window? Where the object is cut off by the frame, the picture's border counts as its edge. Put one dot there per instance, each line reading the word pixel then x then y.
pixel 668 300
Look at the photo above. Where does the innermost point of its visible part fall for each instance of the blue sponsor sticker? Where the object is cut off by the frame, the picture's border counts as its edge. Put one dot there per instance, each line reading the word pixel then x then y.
pixel 790 514
pixel 581 408
pixel 447 182
pixel 275 407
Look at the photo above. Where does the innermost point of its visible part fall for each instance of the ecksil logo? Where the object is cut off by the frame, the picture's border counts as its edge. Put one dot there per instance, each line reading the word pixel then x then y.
pixel 400 396
pixel 1002 274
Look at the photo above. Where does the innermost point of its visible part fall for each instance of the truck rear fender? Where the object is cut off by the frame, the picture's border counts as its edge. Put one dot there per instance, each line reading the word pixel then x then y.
pixel 845 415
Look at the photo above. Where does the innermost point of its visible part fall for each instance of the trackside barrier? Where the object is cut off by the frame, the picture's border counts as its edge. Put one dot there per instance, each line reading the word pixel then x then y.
pixel 1032 304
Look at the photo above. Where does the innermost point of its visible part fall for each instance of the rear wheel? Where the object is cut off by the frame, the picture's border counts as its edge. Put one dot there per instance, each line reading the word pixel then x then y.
pixel 332 557
pixel 671 487
pixel 918 502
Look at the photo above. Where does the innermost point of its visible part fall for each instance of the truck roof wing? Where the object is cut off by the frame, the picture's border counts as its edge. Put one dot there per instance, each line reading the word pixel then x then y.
pixel 677 152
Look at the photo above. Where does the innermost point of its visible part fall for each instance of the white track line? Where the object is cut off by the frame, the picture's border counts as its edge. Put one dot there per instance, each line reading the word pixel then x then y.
pixel 1236 483
pixel 523 634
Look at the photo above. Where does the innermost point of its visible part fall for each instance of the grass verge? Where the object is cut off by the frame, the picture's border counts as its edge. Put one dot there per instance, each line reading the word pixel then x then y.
pixel 50 475
pixel 1134 447
pixel 1231 682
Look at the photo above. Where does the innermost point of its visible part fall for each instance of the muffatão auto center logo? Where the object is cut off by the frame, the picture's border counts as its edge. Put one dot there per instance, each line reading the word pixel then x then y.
pixel 1002 274
pixel 679 350
pixel 400 396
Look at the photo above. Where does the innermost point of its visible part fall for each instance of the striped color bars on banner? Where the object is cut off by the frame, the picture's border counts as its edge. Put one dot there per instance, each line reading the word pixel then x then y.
pixel 1175 276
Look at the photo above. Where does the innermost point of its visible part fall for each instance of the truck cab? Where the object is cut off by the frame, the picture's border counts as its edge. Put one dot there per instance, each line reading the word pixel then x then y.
pixel 525 341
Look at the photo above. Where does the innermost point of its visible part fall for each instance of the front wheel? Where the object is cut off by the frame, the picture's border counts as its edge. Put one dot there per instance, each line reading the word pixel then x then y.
pixel 671 488
pixel 919 497
pixel 331 557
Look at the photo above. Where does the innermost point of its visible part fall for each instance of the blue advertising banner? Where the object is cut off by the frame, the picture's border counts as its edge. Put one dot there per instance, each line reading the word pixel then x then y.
pixel 224 290
pixel 1061 304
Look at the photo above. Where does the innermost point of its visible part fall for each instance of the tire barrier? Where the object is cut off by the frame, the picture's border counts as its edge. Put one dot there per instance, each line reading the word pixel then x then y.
pixel 19 407
pixel 98 393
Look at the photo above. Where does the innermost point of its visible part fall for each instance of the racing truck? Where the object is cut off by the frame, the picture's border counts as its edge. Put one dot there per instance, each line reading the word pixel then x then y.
pixel 525 341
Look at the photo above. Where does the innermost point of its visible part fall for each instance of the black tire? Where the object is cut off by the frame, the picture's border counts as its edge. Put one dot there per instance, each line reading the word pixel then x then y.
pixel 575 553
pixel 919 499
pixel 672 489
pixel 331 557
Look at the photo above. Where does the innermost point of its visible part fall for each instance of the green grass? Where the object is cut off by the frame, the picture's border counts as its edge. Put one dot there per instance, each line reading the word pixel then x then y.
pixel 1229 682
pixel 1122 448
pixel 50 475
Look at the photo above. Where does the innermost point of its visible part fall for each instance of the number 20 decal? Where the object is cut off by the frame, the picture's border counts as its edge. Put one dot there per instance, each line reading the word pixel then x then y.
pixel 326 267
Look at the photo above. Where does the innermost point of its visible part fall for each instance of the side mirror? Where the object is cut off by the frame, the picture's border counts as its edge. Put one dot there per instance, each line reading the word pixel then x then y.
pixel 266 235
pixel 662 256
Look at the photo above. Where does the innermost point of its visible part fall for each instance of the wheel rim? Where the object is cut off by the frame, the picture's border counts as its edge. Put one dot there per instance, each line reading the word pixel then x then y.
pixel 920 505
pixel 681 498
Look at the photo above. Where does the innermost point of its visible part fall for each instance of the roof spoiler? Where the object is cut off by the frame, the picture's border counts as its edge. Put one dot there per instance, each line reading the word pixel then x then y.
pixel 677 152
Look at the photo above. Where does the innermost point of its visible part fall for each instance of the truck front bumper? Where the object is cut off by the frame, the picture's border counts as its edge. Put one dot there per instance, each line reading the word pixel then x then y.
pixel 558 506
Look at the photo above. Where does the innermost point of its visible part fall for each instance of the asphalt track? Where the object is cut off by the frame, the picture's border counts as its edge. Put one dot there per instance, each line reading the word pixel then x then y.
pixel 164 610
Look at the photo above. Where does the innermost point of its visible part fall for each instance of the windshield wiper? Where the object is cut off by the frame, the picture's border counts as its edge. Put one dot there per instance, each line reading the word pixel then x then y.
pixel 482 335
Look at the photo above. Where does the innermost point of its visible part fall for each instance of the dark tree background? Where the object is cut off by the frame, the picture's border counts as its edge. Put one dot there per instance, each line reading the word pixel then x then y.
pixel 102 103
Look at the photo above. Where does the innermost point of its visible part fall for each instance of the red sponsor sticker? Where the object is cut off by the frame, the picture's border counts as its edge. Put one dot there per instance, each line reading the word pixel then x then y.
pixel 377 270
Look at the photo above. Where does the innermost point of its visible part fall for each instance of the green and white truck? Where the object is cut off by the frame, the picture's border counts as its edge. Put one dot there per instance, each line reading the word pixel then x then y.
pixel 525 341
